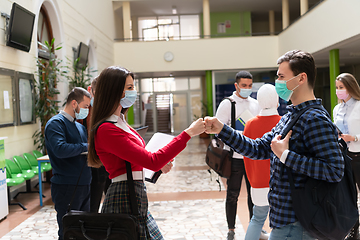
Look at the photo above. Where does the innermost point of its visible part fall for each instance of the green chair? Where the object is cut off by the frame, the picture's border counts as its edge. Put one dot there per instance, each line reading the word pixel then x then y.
pixel 38 154
pixel 13 181
pixel 16 171
pixel 26 170
pixel 34 163
pixel 25 165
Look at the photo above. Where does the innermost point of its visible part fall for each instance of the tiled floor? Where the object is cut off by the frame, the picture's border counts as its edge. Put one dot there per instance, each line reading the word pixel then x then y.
pixel 186 203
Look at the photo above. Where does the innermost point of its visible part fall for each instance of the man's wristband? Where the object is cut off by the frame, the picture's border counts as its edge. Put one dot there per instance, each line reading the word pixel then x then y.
pixel 356 139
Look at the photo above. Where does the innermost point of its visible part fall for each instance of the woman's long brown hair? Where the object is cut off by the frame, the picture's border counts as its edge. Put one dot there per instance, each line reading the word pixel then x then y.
pixel 109 89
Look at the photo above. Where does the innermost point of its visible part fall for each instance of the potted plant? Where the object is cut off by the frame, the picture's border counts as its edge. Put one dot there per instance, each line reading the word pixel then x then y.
pixel 46 103
pixel 81 77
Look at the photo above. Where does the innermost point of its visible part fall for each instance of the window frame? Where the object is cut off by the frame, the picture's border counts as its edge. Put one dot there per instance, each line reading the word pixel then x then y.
pixel 30 77
pixel 11 74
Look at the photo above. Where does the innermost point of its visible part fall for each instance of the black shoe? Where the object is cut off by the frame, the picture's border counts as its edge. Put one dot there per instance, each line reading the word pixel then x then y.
pixel 230 235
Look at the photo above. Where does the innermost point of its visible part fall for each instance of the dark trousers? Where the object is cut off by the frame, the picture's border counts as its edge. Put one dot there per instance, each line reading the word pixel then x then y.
pixel 61 195
pixel 233 191
pixel 355 165
pixel 99 184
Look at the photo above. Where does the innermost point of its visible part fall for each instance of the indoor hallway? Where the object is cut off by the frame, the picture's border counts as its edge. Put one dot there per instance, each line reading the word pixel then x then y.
pixel 186 203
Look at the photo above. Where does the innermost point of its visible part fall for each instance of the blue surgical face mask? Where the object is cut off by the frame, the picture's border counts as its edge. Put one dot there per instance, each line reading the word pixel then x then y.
pixel 129 99
pixel 244 92
pixel 282 90
pixel 83 113
pixel 92 102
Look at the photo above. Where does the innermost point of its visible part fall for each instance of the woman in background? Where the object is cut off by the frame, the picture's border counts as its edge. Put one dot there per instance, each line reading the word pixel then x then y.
pixel 114 142
pixel 347 119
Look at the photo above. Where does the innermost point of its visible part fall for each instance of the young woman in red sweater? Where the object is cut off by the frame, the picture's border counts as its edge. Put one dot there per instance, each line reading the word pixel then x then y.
pixel 112 143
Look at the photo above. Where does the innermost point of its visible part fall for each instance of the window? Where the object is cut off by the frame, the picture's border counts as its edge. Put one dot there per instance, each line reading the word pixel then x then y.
pixel 26 98
pixel 169 27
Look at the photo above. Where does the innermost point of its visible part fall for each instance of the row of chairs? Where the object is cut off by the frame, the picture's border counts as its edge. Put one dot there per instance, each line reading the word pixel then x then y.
pixel 23 168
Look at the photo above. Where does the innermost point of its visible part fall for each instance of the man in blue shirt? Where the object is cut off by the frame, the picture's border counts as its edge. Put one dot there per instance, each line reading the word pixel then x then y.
pixel 311 149
pixel 65 141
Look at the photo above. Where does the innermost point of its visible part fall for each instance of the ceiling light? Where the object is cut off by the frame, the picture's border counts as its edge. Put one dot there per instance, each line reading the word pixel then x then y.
pixel 174 11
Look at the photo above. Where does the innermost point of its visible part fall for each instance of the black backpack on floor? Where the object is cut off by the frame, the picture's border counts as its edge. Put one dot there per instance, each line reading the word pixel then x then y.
pixel 326 210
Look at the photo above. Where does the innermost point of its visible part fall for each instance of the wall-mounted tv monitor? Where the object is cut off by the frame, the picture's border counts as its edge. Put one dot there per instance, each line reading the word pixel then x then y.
pixel 82 55
pixel 20 29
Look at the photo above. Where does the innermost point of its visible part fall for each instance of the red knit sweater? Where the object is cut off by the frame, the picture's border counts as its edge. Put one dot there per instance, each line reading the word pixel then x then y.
pixel 258 171
pixel 114 146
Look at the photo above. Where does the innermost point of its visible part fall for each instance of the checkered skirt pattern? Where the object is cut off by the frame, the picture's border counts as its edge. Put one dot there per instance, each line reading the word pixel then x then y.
pixel 117 201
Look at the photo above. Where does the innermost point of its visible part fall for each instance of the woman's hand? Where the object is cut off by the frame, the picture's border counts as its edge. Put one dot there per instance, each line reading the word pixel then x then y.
pixel 196 128
pixel 213 125
pixel 347 137
pixel 167 167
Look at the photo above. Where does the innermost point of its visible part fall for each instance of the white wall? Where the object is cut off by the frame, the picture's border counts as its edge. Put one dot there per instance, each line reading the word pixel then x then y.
pixel 200 54
pixel 88 21
pixel 331 22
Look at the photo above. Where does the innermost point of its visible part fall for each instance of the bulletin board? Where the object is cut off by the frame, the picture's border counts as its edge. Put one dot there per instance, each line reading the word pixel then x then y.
pixel 7 117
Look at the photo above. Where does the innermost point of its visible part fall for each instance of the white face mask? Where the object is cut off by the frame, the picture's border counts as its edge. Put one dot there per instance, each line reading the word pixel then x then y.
pixel 83 113
pixel 129 99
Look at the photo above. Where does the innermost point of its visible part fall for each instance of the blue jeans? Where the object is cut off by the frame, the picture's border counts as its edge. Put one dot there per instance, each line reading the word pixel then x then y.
pixel 292 231
pixel 257 222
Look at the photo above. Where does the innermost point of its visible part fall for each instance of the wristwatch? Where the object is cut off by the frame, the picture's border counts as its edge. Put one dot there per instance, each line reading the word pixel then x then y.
pixel 356 139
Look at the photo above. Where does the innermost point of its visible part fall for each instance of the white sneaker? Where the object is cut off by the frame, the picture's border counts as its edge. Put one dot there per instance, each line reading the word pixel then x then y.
pixel 264 235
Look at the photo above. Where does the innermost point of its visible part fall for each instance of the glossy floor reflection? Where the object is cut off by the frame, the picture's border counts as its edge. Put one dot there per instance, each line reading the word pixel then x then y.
pixel 186 204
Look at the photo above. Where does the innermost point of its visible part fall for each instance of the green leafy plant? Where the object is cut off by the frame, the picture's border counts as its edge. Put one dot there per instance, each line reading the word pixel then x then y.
pixel 204 111
pixel 80 77
pixel 48 73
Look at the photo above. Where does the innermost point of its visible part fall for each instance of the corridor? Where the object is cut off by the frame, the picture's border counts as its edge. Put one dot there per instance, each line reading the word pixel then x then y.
pixel 186 203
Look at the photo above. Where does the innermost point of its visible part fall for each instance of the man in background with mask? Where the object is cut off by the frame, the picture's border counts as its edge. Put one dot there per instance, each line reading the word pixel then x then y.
pixel 65 141
pixel 244 105
pixel 310 149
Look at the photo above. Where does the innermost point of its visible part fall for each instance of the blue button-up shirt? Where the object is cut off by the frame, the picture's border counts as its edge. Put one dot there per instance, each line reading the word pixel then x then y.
pixel 313 152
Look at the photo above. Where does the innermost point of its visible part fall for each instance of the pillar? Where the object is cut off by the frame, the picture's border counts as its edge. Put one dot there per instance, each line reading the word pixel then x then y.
pixel 304 6
pixel 130 116
pixel 272 22
pixel 285 14
pixel 206 18
pixel 334 68
pixel 209 93
pixel 126 21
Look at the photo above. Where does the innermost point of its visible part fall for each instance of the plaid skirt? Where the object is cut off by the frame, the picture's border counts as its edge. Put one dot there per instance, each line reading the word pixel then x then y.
pixel 117 201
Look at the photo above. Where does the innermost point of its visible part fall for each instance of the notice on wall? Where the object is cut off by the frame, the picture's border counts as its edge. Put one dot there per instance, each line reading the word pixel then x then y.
pixel 228 24
pixel 221 28
pixel 6 100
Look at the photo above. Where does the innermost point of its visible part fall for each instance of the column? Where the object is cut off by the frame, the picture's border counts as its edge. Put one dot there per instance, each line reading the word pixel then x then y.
pixel 272 22
pixel 209 93
pixel 304 6
pixel 285 14
pixel 126 21
pixel 130 116
pixel 334 68
pixel 206 18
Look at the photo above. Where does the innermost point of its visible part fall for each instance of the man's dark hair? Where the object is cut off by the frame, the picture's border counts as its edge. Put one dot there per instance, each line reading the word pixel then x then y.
pixel 93 84
pixel 77 93
pixel 300 61
pixel 243 74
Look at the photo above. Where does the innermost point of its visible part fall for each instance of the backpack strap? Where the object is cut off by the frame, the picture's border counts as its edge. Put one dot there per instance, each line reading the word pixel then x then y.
pixel 232 123
pixel 298 115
